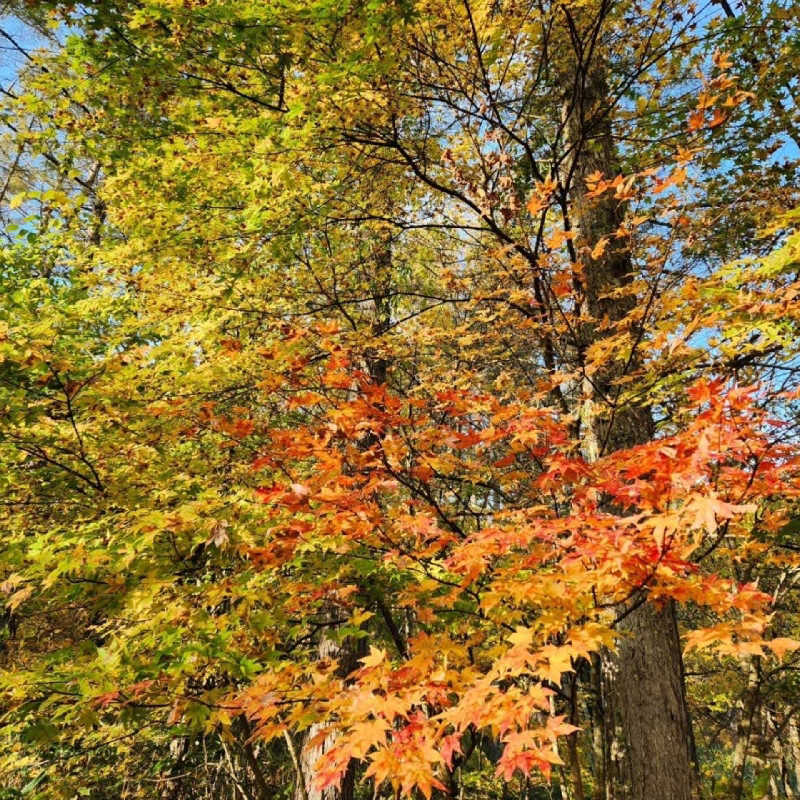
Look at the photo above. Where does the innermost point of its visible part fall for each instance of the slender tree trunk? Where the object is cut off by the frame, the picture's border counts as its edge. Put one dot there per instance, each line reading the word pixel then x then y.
pixel 599 740
pixel 647 748
pixel 305 788
pixel 350 651
pixel 744 727
pixel 173 785
pixel 793 746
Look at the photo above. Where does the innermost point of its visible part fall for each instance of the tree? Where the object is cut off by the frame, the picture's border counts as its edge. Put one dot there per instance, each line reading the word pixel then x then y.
pixel 394 404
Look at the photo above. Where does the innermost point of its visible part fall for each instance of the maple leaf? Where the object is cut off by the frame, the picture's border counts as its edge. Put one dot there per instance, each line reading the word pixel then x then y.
pixel 697 120
pixel 554 662
pixel 595 183
pixel 709 508
pixel 451 745
pixel 719 117
pixel 365 735
pixel 557 727
pixel 537 204
pixel 541 197
pixel 522 637
pixel 599 248
pixel 781 645
pixel 105 700
pixel 375 658
pixel 676 178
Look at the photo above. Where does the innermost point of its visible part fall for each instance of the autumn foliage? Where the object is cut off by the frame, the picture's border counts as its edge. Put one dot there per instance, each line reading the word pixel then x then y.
pixel 400 399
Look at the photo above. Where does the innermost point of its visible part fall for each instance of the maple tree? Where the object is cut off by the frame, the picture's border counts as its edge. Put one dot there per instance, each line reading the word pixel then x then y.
pixel 400 399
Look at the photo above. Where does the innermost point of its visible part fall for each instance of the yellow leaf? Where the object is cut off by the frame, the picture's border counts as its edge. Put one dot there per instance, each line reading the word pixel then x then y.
pixel 19 597
pixel 376 656
pixel 600 248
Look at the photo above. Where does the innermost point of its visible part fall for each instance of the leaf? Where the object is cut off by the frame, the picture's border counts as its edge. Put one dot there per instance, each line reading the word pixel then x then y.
pixel 781 645
pixel 599 248
pixel 375 658
pixel 719 117
pixel 19 597
pixel 697 120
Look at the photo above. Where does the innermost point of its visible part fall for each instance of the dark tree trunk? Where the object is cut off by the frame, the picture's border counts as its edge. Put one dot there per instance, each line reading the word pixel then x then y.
pixel 656 759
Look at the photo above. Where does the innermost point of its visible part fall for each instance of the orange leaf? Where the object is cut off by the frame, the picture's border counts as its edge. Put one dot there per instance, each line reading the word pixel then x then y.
pixel 697 120
pixel 782 645
pixel 719 117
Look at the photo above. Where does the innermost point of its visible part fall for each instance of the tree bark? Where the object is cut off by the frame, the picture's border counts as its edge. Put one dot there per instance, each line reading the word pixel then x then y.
pixel 649 687
pixel 744 727
pixel 305 788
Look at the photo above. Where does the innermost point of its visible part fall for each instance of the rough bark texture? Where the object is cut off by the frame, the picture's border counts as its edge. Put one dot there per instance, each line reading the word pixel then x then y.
pixel 793 748
pixel 647 753
pixel 309 754
pixel 655 724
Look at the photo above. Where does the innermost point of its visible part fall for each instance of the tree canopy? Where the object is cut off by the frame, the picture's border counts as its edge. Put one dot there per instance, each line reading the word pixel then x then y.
pixel 400 398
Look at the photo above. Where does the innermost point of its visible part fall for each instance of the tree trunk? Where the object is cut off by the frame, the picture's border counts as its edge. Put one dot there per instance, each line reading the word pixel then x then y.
pixel 744 727
pixel 793 745
pixel 350 651
pixel 647 748
pixel 305 788
pixel 657 759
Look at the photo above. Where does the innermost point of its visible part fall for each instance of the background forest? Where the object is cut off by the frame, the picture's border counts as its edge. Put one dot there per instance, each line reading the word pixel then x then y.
pixel 399 398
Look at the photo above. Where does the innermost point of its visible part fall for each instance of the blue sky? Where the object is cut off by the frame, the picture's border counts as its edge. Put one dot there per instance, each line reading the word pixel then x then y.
pixel 11 60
